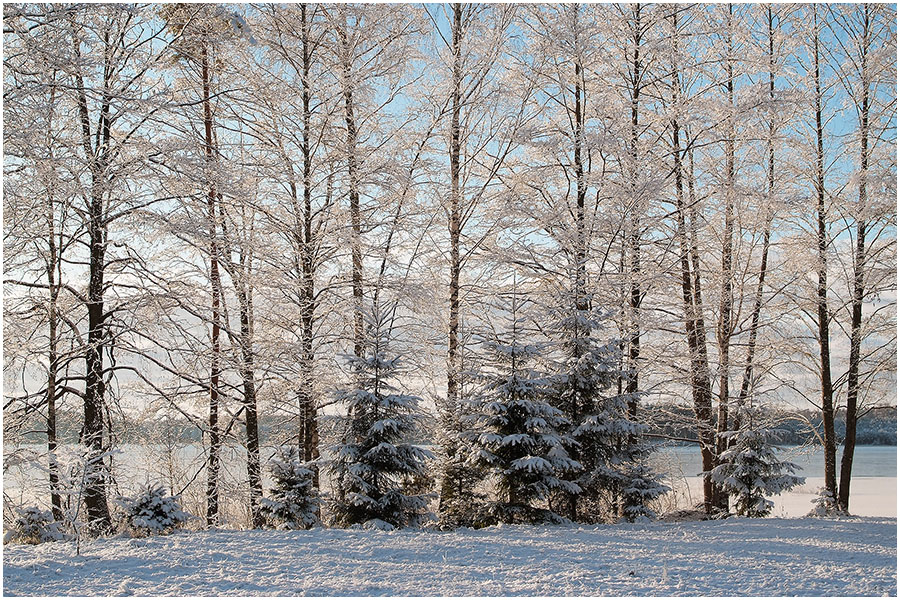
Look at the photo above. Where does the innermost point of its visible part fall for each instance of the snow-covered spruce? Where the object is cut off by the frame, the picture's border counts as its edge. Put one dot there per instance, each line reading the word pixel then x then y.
pixel 377 475
pixel 825 505
pixel 749 469
pixel 514 433
pixel 615 479
pixel 152 511
pixel 294 503
pixel 641 486
pixel 33 526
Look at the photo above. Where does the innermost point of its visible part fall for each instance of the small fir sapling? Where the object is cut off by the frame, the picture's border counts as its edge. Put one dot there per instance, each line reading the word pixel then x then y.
pixel 514 432
pixel 33 526
pixel 294 503
pixel 749 469
pixel 825 505
pixel 375 464
pixel 459 507
pixel 641 486
pixel 152 512
pixel 615 478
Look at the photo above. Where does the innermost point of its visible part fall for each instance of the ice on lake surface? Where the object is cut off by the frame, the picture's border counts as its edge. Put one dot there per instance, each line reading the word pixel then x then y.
pixel 873 489
pixel 868 461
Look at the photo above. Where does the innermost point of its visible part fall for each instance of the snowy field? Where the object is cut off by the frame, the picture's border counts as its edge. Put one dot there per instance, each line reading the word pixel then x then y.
pixel 765 557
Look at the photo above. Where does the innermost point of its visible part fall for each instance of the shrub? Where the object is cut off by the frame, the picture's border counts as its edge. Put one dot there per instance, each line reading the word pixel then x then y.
pixel 294 503
pixel 825 505
pixel 152 512
pixel 34 526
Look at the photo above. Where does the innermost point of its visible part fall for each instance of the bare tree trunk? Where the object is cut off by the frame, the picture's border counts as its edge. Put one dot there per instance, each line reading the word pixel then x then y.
pixel 53 264
pixel 859 266
pixel 455 151
pixel 353 184
pixel 310 429
pixel 94 383
pixel 695 330
pixel 822 288
pixel 690 287
pixel 449 490
pixel 570 501
pixel 703 381
pixel 254 475
pixel 726 296
pixel 747 379
pixel 634 342
pixel 212 472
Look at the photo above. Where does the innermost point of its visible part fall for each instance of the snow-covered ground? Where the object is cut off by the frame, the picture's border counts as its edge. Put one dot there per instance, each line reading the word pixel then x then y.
pixel 763 557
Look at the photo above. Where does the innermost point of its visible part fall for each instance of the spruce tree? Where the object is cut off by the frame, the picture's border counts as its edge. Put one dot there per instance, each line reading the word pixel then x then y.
pixel 614 477
pixel 460 494
pixel 749 469
pixel 294 503
pixel 374 465
pixel 514 432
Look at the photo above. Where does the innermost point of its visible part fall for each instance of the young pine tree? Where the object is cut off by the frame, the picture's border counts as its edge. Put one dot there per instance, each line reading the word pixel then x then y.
pixel 458 506
pixel 374 467
pixel 749 470
pixel 515 433
pixel 294 503
pixel 614 477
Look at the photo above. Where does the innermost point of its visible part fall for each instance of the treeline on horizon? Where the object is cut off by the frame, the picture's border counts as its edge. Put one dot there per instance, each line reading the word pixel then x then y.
pixel 669 424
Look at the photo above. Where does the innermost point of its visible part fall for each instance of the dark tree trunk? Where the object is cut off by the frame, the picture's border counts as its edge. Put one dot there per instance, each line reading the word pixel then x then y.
pixel 726 299
pixel 822 288
pixel 693 307
pixel 726 295
pixel 702 384
pixel 454 226
pixel 353 193
pixel 634 342
pixel 212 469
pixel 570 501
pixel 308 410
pixel 747 379
pixel 859 266
pixel 449 485
pixel 53 264
pixel 254 475
pixel 94 382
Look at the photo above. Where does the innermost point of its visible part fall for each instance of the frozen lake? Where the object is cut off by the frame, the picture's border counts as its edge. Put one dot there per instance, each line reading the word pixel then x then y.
pixel 873 490
pixel 868 461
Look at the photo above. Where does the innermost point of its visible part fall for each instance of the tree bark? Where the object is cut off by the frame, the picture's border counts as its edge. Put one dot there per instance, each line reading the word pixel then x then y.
pixel 822 287
pixel 449 485
pixel 582 305
pixel 95 385
pixel 691 298
pixel 353 193
pixel 53 264
pixel 726 299
pixel 726 295
pixel 747 378
pixel 859 266
pixel 634 342
pixel 454 225
pixel 310 431
pixel 212 473
pixel 254 475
